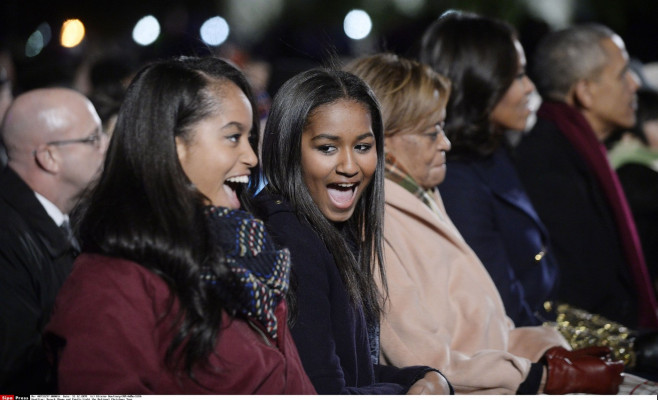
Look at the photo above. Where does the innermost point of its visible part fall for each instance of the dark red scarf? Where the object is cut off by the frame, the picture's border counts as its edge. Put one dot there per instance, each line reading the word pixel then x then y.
pixel 578 131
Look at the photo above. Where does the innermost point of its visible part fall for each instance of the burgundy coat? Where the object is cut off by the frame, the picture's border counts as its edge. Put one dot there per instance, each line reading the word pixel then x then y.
pixel 108 339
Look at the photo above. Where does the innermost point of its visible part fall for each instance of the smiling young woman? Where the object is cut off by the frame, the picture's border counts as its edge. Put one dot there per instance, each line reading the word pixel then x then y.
pixel 157 303
pixel 323 161
pixel 339 157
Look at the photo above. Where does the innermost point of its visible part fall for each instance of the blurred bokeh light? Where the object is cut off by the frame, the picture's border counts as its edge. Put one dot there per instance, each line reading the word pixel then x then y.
pixel 73 31
pixel 146 30
pixel 38 40
pixel 214 31
pixel 357 24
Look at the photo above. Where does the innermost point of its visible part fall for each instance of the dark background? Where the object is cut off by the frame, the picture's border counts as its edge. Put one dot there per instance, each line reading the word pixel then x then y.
pixel 304 33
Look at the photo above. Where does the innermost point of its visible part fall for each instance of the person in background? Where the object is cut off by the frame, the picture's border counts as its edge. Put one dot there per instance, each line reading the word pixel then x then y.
pixel 322 158
pixel 6 97
pixel 178 290
pixel 443 310
pixel 583 75
pixel 482 193
pixel 109 77
pixel 634 155
pixel 55 147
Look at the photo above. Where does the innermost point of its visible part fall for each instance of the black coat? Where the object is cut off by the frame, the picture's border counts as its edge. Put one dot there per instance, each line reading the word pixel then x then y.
pixel 641 188
pixel 487 203
pixel 35 259
pixel 330 333
pixel 594 274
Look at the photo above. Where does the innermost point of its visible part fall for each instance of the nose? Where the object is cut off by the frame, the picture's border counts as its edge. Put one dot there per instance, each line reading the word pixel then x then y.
pixel 248 155
pixel 634 80
pixel 528 85
pixel 444 143
pixel 105 142
pixel 347 166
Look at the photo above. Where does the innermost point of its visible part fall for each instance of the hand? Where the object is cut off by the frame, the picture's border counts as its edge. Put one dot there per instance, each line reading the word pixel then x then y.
pixel 582 371
pixel 602 352
pixel 431 383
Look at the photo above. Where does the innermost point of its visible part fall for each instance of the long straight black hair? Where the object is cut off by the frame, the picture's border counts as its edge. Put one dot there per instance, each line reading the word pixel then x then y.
pixel 145 209
pixel 281 168
pixel 478 55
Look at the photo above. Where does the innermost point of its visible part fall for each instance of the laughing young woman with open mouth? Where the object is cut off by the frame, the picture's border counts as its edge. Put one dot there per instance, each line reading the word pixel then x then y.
pixel 323 161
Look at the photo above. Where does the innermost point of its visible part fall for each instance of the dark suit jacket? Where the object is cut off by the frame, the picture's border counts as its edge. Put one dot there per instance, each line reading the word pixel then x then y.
pixel 594 274
pixel 486 201
pixel 641 188
pixel 35 259
pixel 330 332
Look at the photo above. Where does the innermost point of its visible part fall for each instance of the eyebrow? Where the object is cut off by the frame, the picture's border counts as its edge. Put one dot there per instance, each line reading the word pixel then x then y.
pixel 234 124
pixel 328 136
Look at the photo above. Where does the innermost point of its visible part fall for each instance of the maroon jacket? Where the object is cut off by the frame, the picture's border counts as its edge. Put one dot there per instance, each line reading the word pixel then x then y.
pixel 108 340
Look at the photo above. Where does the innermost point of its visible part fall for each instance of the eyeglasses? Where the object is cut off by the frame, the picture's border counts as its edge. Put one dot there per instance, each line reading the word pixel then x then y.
pixel 434 134
pixel 94 139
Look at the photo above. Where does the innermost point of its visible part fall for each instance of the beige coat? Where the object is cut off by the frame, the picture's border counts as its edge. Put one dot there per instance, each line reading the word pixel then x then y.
pixel 443 308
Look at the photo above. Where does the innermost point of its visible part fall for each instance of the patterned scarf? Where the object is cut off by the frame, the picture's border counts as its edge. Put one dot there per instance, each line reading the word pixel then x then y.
pixel 259 272
pixel 395 172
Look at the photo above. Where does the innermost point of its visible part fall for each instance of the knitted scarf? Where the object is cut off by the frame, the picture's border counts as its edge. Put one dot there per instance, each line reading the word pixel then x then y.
pixel 259 272
pixel 577 130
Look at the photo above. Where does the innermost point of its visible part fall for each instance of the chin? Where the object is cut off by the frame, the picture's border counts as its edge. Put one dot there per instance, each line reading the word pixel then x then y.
pixel 338 217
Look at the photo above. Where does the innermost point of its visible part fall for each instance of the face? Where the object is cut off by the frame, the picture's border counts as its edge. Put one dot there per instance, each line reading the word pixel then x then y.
pixel 513 110
pixel 5 99
pixel 339 157
pixel 422 154
pixel 612 94
pixel 217 156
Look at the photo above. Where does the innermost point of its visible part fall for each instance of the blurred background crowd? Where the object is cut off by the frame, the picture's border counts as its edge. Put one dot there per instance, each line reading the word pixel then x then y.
pixel 275 38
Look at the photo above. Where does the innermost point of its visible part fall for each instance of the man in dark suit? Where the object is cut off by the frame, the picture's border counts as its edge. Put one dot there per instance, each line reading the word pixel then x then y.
pixel 583 75
pixel 55 147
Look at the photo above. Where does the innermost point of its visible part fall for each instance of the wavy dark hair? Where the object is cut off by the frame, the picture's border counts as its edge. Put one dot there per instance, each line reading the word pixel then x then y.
pixel 145 209
pixel 292 108
pixel 478 55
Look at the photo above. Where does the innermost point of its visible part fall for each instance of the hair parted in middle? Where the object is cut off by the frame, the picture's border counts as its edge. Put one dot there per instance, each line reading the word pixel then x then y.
pixel 479 57
pixel 292 109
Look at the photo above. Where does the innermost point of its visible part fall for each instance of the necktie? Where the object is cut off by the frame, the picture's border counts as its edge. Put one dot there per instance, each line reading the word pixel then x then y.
pixel 68 233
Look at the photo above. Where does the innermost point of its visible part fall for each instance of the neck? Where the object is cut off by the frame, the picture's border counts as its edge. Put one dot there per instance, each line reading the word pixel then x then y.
pixel 601 130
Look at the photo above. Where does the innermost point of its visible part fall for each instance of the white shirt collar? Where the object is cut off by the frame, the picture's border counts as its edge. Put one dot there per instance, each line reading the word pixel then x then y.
pixel 52 210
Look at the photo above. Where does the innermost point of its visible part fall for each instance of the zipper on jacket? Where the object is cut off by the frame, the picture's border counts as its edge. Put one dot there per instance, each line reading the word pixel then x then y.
pixel 260 332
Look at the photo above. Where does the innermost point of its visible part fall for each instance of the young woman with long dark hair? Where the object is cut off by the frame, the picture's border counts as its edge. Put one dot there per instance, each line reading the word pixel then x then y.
pixel 322 157
pixel 177 289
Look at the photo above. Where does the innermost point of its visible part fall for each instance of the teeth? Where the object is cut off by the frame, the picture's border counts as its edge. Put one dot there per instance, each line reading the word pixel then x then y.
pixel 345 185
pixel 239 179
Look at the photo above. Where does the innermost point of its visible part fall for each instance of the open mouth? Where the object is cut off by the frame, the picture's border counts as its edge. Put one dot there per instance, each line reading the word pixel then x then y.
pixel 342 194
pixel 233 187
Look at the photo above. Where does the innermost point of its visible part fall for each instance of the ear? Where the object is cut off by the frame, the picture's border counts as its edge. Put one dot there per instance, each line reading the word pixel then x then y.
pixel 47 158
pixel 181 149
pixel 582 94
pixel 388 143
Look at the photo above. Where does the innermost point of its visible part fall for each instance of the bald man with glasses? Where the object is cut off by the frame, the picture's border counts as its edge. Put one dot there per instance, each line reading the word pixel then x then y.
pixel 55 148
